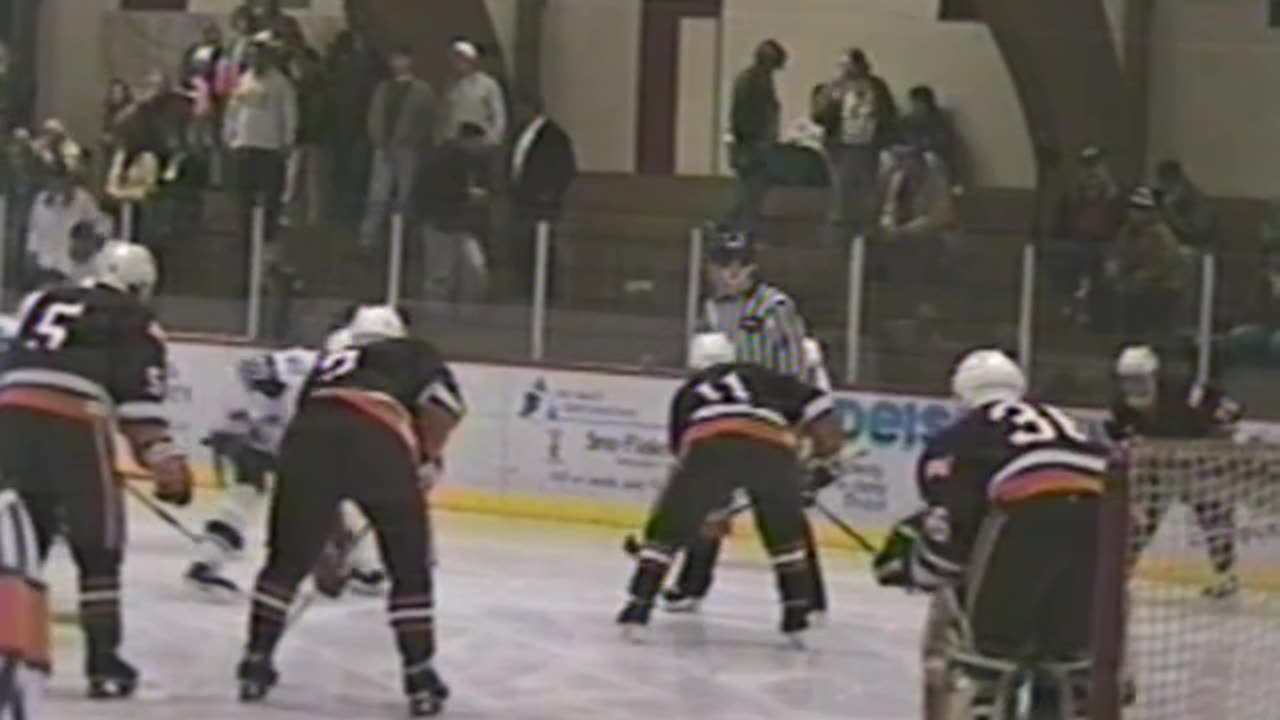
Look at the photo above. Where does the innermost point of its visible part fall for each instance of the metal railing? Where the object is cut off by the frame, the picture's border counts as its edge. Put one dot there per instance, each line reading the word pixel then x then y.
pixel 1017 315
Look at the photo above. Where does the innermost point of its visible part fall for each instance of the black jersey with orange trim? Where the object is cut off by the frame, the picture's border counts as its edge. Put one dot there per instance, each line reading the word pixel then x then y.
pixel 407 370
pixel 93 342
pixel 1000 453
pixel 1184 409
pixel 743 399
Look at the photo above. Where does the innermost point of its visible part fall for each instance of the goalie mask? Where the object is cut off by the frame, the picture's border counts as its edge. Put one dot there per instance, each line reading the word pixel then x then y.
pixel 1137 369
pixel 731 261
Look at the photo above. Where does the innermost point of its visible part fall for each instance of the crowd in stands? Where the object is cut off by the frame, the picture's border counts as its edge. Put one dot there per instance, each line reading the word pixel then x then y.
pixel 348 136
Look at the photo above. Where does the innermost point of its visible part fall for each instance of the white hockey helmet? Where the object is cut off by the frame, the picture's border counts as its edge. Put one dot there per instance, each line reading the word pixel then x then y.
pixel 127 267
pixel 709 349
pixel 987 375
pixel 337 340
pixel 372 323
pixel 1136 369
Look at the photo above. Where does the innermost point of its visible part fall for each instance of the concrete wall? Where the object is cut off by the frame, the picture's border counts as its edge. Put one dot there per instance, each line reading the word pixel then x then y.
pixel 908 46
pixel 1215 99
pixel 590 65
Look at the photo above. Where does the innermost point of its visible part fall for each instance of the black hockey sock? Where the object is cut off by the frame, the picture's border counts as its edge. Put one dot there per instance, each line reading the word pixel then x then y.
pixel 413 621
pixel 268 615
pixel 652 563
pixel 1217 521
pixel 100 614
pixel 795 582
pixel 698 566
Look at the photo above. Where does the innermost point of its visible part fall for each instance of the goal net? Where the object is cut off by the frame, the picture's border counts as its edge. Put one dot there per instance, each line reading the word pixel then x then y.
pixel 1188 642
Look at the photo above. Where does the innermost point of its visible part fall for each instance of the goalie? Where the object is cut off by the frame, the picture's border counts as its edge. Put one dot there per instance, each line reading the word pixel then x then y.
pixel 1007 542
pixel 1150 404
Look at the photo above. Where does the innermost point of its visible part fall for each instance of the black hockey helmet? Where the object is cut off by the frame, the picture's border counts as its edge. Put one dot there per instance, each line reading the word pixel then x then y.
pixel 726 246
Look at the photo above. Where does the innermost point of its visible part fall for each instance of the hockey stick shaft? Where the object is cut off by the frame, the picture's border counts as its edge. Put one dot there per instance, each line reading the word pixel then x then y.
pixel 309 597
pixel 159 511
pixel 847 529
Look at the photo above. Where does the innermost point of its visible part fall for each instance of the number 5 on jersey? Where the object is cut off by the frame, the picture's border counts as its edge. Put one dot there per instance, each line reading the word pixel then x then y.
pixel 52 328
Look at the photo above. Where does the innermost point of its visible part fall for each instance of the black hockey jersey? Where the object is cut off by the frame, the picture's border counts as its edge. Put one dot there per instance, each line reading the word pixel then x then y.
pixel 1183 409
pixel 743 399
pixel 94 342
pixel 409 371
pixel 998 454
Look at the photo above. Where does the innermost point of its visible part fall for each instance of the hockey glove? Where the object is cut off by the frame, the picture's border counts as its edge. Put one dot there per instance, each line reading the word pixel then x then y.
pixel 430 472
pixel 892 565
pixel 173 480
pixel 819 478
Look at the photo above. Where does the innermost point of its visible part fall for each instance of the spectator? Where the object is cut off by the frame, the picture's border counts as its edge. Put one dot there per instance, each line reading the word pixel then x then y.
pixel 857 112
pixel 56 151
pixel 1085 225
pixel 452 189
pixel 475 97
pixel 928 127
pixel 117 106
pixel 540 166
pixel 56 212
pixel 200 61
pixel 132 180
pixel 7 90
pixel 755 117
pixel 1147 271
pixel 236 49
pixel 399 127
pixel 1183 207
pixel 260 127
pixel 268 17
pixel 352 71
pixel 307 168
pixel 200 67
pixel 1255 339
pixel 913 201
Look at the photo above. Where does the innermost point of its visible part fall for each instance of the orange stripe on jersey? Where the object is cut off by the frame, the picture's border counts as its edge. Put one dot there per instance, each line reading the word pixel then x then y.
pixel 53 402
pixel 1049 481
pixel 738 427
pixel 380 407
pixel 24 622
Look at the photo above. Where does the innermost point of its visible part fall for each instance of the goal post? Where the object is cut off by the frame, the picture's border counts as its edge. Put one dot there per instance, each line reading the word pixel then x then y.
pixel 1166 643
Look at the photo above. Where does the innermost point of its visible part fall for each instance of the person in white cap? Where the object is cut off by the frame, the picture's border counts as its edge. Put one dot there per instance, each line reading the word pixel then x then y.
pixel 474 97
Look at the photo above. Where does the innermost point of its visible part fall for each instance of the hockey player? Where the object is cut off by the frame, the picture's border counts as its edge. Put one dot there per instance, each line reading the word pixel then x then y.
pixel 734 425
pixel 24 625
pixel 696 573
pixel 1011 491
pixel 1150 404
pixel 371 427
pixel 87 356
pixel 765 329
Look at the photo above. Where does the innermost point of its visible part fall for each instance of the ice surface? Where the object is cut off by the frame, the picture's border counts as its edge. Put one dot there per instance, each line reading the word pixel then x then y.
pixel 525 625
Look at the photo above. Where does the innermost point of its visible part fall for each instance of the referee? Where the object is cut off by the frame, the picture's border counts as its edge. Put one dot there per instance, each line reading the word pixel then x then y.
pixel 767 330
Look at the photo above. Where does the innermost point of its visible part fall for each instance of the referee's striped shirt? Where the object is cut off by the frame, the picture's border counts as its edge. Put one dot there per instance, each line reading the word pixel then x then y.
pixel 765 327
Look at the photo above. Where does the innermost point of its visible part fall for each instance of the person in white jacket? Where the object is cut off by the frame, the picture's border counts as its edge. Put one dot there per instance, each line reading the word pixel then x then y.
pixel 260 127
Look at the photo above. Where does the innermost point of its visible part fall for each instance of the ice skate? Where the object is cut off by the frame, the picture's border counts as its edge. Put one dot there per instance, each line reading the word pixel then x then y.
pixel 674 600
pixel 111 677
pixel 205 578
pixel 426 691
pixel 257 677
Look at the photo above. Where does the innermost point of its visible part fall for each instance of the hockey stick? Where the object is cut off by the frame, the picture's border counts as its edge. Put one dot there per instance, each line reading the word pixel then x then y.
pixel 857 537
pixel 167 517
pixel 631 545
pixel 308 598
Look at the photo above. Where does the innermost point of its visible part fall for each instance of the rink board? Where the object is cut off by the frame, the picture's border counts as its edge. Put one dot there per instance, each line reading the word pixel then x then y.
pixel 591 446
